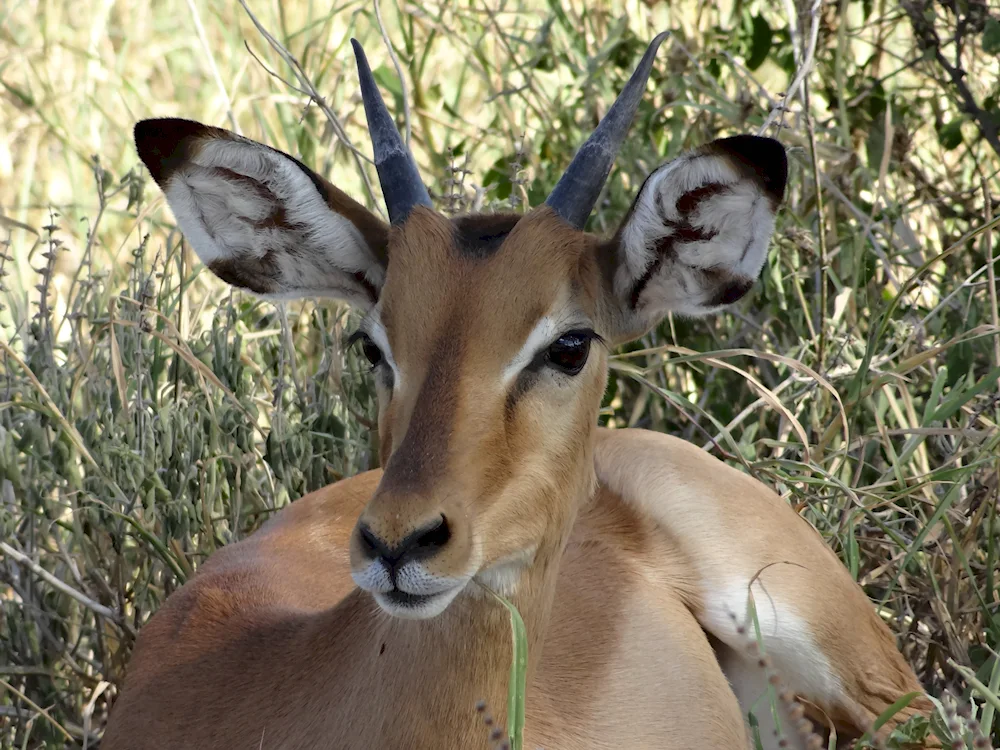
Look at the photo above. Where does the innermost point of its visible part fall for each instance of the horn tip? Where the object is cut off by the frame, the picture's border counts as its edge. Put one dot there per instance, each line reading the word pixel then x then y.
pixel 359 51
pixel 654 46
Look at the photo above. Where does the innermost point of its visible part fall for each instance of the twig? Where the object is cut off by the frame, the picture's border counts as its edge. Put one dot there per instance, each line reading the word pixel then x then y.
pixel 824 258
pixel 990 272
pixel 396 65
pixel 200 31
pixel 88 710
pixel 927 38
pixel 805 61
pixel 47 399
pixel 308 86
pixel 57 583
pixel 38 708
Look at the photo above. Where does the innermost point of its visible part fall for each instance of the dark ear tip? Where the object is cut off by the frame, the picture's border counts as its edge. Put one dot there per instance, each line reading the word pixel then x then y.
pixel 145 135
pixel 765 157
pixel 163 143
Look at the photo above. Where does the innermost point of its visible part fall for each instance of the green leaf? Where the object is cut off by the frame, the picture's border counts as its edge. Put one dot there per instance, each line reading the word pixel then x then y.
pixel 501 181
pixel 991 37
pixel 894 709
pixel 23 96
pixel 989 709
pixel 957 400
pixel 760 43
pixel 950 135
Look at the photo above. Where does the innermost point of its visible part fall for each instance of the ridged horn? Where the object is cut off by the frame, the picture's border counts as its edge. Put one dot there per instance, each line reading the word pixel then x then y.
pixel 576 193
pixel 397 171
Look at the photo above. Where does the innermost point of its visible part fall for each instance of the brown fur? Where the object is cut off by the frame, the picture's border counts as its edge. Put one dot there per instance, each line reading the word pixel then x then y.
pixel 271 645
pixel 256 650
pixel 257 647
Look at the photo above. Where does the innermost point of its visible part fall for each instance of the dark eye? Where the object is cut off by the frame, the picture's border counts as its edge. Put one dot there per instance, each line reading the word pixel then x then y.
pixel 569 352
pixel 372 353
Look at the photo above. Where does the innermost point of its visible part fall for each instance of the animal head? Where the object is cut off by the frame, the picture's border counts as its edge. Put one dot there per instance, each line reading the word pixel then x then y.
pixel 488 334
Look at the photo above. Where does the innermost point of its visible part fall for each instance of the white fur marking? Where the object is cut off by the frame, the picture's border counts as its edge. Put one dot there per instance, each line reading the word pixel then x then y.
pixel 413 578
pixel 502 577
pixel 545 332
pixel 374 577
pixel 428 609
pixel 541 335
pixel 787 638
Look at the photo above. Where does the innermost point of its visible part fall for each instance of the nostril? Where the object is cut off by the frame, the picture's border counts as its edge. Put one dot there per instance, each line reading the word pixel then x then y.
pixel 433 538
pixel 419 544
pixel 371 545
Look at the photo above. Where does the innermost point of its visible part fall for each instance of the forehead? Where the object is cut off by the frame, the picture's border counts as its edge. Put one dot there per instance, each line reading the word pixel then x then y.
pixel 496 275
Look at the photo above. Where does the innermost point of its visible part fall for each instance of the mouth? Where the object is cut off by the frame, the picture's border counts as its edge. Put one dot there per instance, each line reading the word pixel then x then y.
pixel 401 598
pixel 409 606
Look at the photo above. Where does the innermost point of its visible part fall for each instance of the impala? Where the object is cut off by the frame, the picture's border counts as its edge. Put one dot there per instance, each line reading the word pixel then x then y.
pixel 359 617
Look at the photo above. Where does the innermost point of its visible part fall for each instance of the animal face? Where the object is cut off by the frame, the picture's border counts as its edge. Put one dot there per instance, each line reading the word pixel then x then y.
pixel 488 335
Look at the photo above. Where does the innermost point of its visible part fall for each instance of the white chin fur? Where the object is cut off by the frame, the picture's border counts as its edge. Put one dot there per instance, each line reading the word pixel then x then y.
pixel 430 607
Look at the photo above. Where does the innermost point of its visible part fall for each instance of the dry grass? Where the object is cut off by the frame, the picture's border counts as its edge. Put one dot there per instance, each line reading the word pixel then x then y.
pixel 147 415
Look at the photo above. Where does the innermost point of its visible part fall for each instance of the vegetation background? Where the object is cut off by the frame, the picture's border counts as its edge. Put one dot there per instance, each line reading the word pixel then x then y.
pixel 149 415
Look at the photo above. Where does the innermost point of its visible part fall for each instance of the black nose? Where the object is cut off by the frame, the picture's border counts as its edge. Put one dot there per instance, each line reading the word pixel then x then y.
pixel 418 545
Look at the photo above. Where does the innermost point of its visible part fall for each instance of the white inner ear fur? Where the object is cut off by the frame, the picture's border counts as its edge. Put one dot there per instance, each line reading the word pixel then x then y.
pixel 736 222
pixel 315 250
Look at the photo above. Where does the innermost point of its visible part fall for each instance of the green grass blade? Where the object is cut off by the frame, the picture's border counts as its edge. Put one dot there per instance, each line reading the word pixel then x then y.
pixel 518 683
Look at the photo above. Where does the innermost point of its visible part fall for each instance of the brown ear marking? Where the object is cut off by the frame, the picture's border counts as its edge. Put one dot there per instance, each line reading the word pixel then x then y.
pixel 763 159
pixel 731 289
pixel 681 231
pixel 258 275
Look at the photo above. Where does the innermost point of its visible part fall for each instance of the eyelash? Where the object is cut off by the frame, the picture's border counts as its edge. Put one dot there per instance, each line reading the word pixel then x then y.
pixel 367 345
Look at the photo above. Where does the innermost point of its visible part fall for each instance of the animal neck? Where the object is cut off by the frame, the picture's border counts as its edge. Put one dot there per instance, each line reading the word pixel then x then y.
pixel 441 668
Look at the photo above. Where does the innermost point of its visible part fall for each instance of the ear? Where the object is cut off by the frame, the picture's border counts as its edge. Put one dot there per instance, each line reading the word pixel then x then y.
pixel 262 220
pixel 696 237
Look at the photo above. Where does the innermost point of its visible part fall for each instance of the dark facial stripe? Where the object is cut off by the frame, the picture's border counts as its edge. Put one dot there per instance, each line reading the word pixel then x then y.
pixel 426 444
pixel 522 384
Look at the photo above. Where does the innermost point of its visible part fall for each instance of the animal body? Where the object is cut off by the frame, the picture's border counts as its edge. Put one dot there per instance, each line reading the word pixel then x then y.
pixel 360 617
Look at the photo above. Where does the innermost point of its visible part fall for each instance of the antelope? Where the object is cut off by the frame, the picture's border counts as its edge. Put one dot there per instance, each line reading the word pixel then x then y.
pixel 361 616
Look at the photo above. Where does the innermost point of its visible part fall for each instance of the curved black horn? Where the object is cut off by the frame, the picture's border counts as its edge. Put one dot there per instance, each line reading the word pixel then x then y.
pixel 575 195
pixel 397 171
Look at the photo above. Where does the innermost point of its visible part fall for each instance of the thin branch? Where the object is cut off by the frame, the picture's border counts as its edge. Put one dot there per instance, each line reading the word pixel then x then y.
pixel 396 65
pixel 59 584
pixel 203 40
pixel 929 41
pixel 308 86
pixel 991 274
pixel 805 61
pixel 36 707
